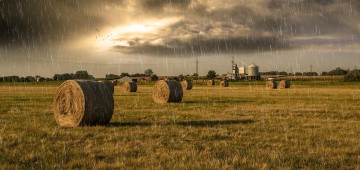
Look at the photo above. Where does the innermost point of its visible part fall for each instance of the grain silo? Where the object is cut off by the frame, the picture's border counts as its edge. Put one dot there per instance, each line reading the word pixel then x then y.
pixel 242 71
pixel 253 72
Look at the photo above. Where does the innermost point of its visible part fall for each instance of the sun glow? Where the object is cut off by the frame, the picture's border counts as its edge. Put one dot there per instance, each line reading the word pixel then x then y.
pixel 121 35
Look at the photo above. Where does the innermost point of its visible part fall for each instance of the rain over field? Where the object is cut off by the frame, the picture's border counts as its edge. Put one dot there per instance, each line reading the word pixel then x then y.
pixel 179 84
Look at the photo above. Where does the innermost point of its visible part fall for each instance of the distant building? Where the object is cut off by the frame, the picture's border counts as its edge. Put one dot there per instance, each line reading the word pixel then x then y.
pixel 127 79
pixel 243 73
pixel 253 72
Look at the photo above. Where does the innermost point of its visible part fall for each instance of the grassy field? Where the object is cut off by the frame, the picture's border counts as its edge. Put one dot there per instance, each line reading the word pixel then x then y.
pixel 314 124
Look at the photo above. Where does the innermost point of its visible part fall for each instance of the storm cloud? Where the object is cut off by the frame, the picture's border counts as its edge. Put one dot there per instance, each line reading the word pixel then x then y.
pixel 249 26
pixel 49 21
pixel 205 26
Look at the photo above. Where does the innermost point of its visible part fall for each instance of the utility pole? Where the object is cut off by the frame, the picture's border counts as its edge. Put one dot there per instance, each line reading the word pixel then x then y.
pixel 311 68
pixel 197 66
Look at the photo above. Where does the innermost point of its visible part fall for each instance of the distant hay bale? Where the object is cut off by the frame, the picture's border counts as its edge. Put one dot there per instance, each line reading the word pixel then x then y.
pixel 284 84
pixel 167 91
pixel 210 83
pixel 115 82
pixel 186 84
pixel 130 87
pixel 110 86
pixel 224 83
pixel 80 103
pixel 271 84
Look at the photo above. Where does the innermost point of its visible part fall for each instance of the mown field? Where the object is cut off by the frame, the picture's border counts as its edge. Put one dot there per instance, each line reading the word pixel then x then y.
pixel 314 124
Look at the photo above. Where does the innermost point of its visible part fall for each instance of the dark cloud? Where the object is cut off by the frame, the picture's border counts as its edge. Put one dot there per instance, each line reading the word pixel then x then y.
pixel 235 25
pixel 203 45
pixel 208 28
pixel 48 21
pixel 160 4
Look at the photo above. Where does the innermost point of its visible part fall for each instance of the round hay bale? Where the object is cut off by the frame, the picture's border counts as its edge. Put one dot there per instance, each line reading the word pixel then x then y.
pixel 271 84
pixel 110 86
pixel 80 103
pixel 210 83
pixel 284 84
pixel 224 83
pixel 186 84
pixel 130 87
pixel 167 91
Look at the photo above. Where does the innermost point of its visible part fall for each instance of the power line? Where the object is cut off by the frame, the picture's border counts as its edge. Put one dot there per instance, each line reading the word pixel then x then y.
pixel 197 66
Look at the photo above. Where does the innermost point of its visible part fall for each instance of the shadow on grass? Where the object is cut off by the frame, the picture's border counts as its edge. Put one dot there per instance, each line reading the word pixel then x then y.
pixel 204 123
pixel 128 94
pixel 216 101
pixel 214 122
pixel 131 124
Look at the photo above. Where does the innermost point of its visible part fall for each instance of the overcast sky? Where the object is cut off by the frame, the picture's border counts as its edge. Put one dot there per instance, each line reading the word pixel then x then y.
pixel 44 37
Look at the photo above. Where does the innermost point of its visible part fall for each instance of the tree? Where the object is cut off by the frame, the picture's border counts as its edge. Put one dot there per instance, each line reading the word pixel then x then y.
pixel 67 76
pixel 83 75
pixel 138 75
pixel 324 73
pixel 310 74
pixel 211 74
pixel 298 74
pixel 40 79
pixel 123 74
pixel 29 79
pixel 12 79
pixel 112 76
pixel 56 77
pixel 337 72
pixel 181 77
pixel 154 77
pixel 353 75
pixel 148 72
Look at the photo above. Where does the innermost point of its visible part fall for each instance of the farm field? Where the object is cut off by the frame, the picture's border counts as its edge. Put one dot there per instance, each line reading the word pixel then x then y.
pixel 314 124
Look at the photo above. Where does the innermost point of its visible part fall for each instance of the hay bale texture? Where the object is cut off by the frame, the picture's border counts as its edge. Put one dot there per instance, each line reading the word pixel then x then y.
pixel 130 87
pixel 110 85
pixel 167 91
pixel 210 83
pixel 186 84
pixel 224 83
pixel 284 84
pixel 271 84
pixel 80 103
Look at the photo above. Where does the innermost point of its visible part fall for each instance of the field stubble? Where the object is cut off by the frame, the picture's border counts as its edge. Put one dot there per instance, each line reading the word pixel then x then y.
pixel 311 125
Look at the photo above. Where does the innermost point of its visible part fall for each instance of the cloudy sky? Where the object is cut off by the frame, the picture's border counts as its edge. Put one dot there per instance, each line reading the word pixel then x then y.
pixel 44 37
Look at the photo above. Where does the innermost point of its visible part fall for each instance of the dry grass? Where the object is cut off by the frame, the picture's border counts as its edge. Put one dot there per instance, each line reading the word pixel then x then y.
pixel 312 125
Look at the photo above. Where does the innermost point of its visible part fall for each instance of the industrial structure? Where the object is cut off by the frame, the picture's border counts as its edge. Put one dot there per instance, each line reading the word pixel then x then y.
pixel 235 72
pixel 253 72
pixel 243 73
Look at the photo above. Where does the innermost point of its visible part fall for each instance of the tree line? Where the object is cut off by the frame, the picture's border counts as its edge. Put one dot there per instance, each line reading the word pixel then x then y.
pixel 336 72
pixel 353 75
pixel 147 73
pixel 24 79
